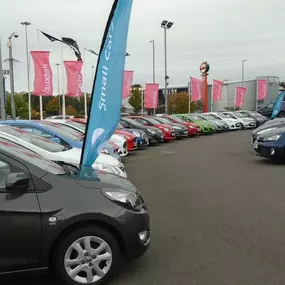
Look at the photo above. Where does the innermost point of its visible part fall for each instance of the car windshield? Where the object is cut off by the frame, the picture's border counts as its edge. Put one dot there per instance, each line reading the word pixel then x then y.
pixel 132 122
pixel 152 121
pixel 163 120
pixel 36 140
pixel 198 117
pixel 65 131
pixel 22 153
pixel 228 116
pixel 241 115
pixel 77 125
pixel 214 116
pixel 177 119
pixel 256 114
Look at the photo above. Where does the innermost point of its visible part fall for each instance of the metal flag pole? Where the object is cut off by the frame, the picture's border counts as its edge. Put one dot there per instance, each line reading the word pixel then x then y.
pixel 235 99
pixel 2 95
pixel 41 107
pixel 62 83
pixel 84 84
pixel 189 94
pixel 58 88
pixel 256 99
pixel 212 101
pixel 11 68
pixel 142 99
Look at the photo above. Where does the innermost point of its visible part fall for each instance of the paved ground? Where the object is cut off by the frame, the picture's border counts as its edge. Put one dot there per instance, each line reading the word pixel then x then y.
pixel 217 215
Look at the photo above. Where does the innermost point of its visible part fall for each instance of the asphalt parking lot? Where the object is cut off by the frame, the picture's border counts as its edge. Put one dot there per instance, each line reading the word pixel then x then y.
pixel 217 215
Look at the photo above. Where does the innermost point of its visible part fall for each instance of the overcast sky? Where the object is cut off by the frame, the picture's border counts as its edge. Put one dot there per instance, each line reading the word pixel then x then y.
pixel 223 32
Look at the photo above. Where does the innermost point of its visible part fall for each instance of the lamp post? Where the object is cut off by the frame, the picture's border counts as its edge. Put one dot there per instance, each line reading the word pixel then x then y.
pixel 2 95
pixel 26 24
pixel 242 72
pixel 166 25
pixel 11 68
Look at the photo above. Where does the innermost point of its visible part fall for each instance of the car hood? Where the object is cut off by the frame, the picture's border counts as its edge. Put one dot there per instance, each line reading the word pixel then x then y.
pixel 163 126
pixel 271 132
pixel 125 133
pixel 107 181
pixel 73 156
pixel 141 132
pixel 275 121
pixel 268 126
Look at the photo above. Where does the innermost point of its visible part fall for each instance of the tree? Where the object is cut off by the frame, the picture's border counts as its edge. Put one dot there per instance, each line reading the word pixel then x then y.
pixel 70 110
pixel 135 99
pixel 52 107
pixel 21 105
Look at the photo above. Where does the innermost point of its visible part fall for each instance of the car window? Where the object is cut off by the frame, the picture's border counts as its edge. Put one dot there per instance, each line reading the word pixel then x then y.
pixel 39 141
pixel 79 126
pixel 141 121
pixel 38 132
pixel 24 154
pixel 214 116
pixel 4 171
pixel 133 122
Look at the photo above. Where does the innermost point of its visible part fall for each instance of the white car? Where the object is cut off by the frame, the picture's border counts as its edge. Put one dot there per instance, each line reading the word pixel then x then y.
pixel 233 123
pixel 119 140
pixel 56 152
pixel 247 122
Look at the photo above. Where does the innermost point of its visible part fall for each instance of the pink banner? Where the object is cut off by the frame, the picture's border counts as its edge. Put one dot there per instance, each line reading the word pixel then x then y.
pixel 43 74
pixel 151 95
pixel 196 89
pixel 127 84
pixel 74 78
pixel 240 93
pixel 262 89
pixel 217 89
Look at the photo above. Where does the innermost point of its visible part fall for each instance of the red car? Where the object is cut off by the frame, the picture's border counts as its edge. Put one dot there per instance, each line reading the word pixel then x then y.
pixel 193 129
pixel 168 132
pixel 132 140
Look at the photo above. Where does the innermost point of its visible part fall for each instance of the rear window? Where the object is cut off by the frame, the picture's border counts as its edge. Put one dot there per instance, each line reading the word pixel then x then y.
pixel 17 151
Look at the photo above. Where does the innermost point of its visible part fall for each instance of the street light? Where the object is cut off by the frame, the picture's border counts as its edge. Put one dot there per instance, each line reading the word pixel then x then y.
pixel 11 68
pixel 242 72
pixel 166 25
pixel 26 24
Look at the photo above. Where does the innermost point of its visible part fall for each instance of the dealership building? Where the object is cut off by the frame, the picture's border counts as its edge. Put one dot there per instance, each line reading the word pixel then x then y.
pixel 228 93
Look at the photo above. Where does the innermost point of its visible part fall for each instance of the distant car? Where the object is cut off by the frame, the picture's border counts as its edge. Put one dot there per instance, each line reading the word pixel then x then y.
pixel 271 144
pixel 84 228
pixel 155 134
pixel 259 119
pixel 168 131
pixel 59 117
pixel 193 129
pixel 180 129
pixel 268 109
pixel 233 123
pixel 132 140
pixel 55 133
pixel 205 128
pixel 220 126
pixel 246 122
pixel 56 152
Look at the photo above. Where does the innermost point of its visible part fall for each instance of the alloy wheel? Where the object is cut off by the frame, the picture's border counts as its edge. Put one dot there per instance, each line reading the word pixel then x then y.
pixel 88 259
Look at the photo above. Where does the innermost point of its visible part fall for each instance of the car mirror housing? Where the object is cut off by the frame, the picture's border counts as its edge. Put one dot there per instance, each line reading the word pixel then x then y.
pixel 16 181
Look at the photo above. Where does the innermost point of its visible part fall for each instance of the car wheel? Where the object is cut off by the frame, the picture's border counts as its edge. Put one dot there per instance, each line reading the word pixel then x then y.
pixel 89 255
pixel 281 114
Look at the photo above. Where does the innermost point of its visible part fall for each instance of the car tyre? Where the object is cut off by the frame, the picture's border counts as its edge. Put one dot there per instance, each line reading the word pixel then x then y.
pixel 281 114
pixel 106 261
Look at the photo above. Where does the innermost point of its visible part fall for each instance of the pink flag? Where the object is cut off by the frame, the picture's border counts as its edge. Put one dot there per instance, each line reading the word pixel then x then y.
pixel 217 89
pixel 262 89
pixel 196 89
pixel 151 95
pixel 43 74
pixel 74 78
pixel 127 84
pixel 240 93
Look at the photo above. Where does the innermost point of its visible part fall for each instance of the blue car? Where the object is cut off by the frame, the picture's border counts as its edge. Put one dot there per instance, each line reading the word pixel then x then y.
pixel 55 132
pixel 270 144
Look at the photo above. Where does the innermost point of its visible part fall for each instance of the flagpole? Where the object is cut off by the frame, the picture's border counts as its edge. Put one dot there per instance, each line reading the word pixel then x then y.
pixel 2 95
pixel 235 99
pixel 212 98
pixel 256 99
pixel 189 94
pixel 62 83
pixel 142 100
pixel 84 83
pixel 41 107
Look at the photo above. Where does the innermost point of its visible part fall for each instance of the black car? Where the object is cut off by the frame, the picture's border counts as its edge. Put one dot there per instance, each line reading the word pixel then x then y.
pixel 259 119
pixel 180 130
pixel 268 126
pixel 50 216
pixel 155 134
pixel 268 109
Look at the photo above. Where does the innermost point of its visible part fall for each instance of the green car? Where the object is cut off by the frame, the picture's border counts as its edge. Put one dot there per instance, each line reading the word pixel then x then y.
pixel 205 126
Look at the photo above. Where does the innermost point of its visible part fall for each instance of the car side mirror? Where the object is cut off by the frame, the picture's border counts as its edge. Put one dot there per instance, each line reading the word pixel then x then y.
pixel 16 181
pixel 55 139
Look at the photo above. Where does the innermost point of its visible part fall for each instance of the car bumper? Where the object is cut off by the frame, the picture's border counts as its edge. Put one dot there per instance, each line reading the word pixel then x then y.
pixel 132 145
pixel 268 150
pixel 206 130
pixel 135 232
pixel 193 132
pixel 169 136
pixel 249 125
pixel 235 126
pixel 157 138
pixel 181 134
pixel 143 142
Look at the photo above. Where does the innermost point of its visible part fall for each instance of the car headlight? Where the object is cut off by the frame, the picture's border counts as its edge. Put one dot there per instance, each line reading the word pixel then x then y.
pixel 127 200
pixel 151 131
pixel 137 134
pixel 272 138
pixel 166 129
